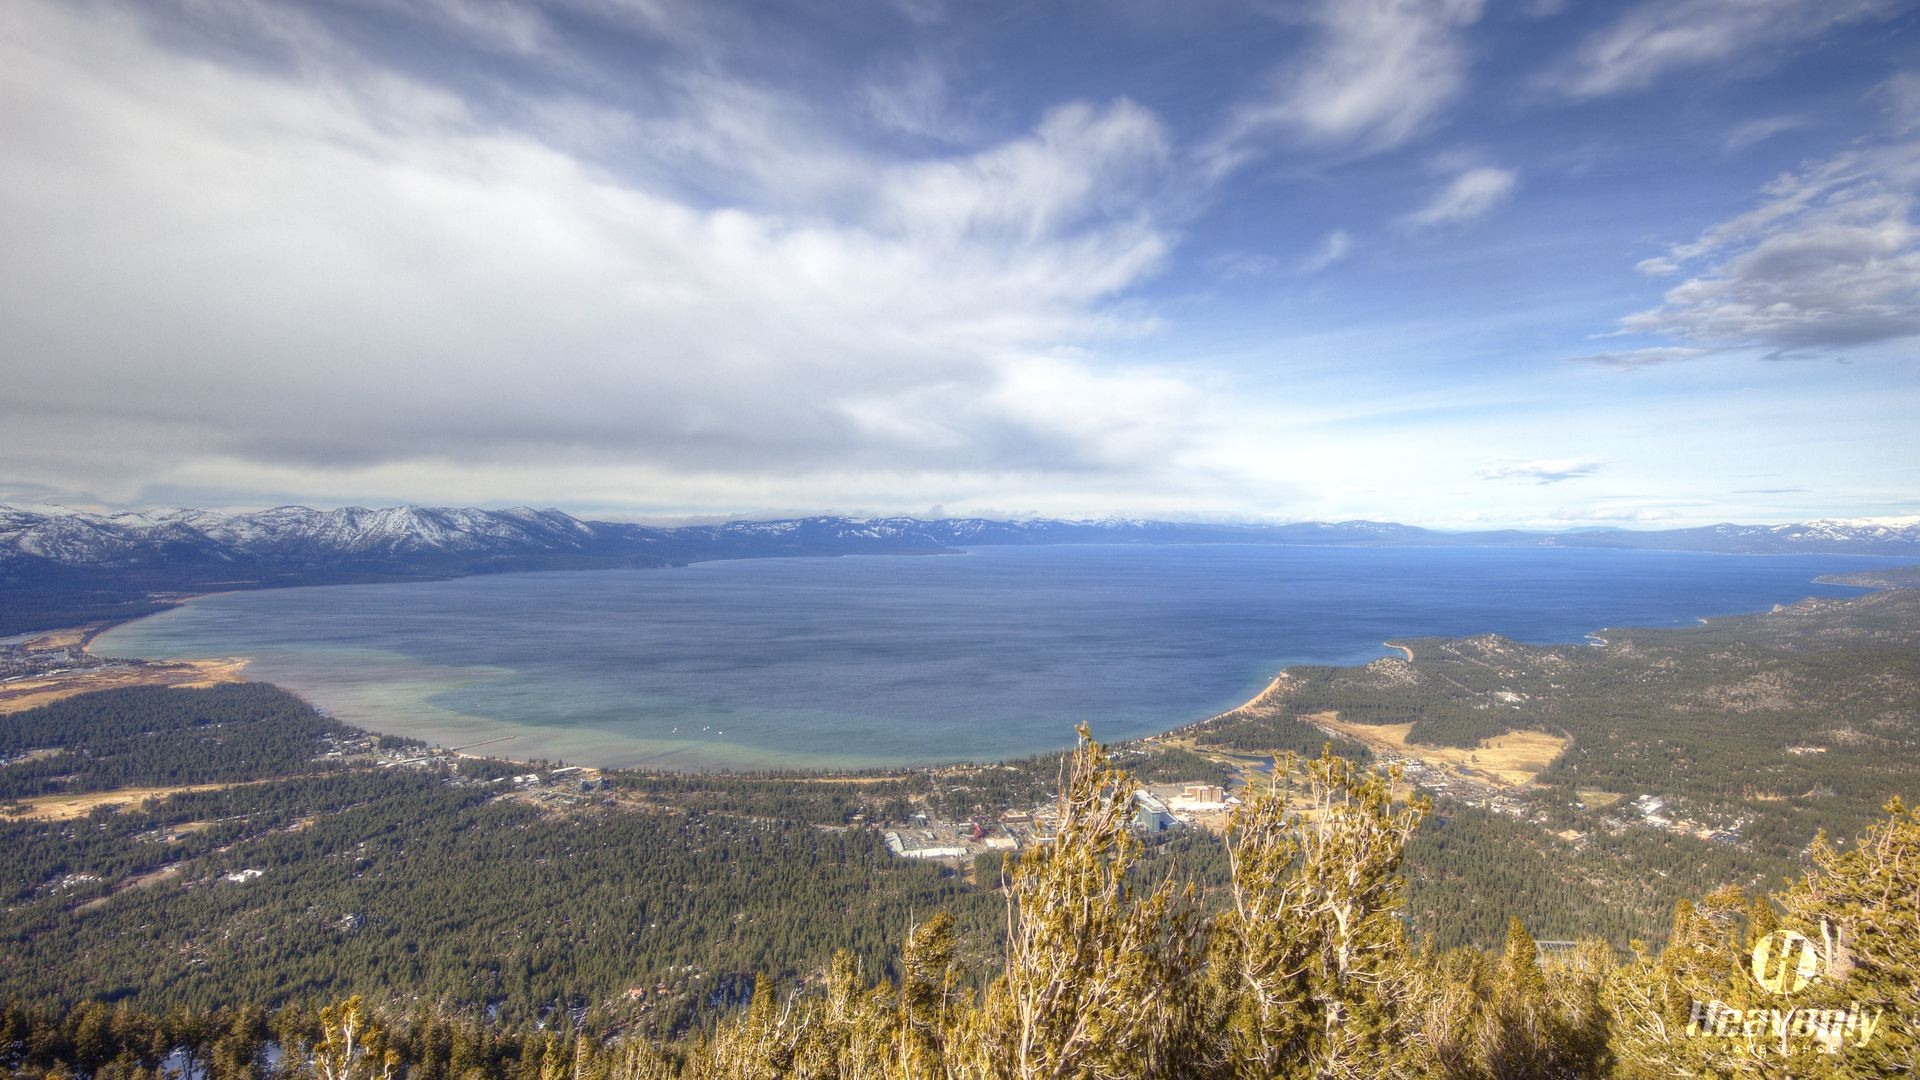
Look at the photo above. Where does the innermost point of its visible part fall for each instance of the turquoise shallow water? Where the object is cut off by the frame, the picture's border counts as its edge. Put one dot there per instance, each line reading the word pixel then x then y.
pixel 904 660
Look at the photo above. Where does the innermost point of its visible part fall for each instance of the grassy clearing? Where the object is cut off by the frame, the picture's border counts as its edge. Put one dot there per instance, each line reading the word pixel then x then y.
pixel 1511 760
pixel 68 807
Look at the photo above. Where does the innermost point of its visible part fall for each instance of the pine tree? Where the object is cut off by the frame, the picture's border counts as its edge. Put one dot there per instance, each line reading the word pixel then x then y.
pixel 1861 907
pixel 928 1005
pixel 1317 968
pixel 1094 973
pixel 1520 1036
pixel 351 1045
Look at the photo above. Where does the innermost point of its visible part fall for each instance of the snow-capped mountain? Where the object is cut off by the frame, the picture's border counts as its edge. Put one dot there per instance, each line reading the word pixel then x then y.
pixel 1854 529
pixel 61 567
pixel 1855 536
pixel 80 539
pixel 291 538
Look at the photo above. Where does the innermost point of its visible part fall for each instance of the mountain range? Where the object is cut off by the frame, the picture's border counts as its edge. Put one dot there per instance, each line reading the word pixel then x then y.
pixel 62 566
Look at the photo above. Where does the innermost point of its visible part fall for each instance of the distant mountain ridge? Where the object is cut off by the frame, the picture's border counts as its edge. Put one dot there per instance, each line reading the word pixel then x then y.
pixel 64 565
pixel 353 534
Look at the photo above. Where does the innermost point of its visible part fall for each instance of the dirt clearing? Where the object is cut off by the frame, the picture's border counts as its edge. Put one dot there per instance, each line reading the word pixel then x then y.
pixel 1509 761
pixel 68 807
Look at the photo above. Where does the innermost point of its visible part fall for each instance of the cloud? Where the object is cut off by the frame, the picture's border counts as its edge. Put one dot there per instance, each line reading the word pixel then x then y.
pixel 1829 258
pixel 1084 163
pixel 1470 194
pixel 1236 265
pixel 1333 247
pixel 343 278
pixel 1660 37
pixel 1374 74
pixel 499 25
pixel 1552 471
pixel 915 99
pixel 1639 358
pixel 1760 130
pixel 1652 511
pixel 1900 96
pixel 924 12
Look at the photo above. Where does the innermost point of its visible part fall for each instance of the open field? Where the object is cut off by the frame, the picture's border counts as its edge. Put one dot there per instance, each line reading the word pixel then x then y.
pixel 1510 761
pixel 28 693
pixel 1507 761
pixel 68 807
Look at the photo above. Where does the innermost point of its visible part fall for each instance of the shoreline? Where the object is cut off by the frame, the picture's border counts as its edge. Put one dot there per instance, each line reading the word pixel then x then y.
pixel 230 669
pixel 109 672
pixel 1591 640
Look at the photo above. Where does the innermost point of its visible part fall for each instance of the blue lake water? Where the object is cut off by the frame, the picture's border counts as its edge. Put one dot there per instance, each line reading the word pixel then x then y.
pixel 865 661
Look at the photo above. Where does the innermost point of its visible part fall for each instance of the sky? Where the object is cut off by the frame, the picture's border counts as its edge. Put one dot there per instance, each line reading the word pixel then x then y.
pixel 1459 263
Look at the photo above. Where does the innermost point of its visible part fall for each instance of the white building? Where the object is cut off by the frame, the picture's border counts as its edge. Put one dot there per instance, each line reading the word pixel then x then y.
pixel 911 847
pixel 1153 815
pixel 1199 799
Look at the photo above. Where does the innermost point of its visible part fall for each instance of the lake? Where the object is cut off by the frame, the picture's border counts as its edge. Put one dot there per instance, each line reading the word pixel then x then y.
pixel 875 660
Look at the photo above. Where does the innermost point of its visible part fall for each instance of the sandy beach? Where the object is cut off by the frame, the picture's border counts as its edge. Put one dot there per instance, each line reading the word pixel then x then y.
pixel 35 690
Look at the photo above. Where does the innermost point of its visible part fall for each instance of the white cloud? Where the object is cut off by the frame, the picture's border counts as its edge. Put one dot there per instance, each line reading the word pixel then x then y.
pixel 1900 95
pixel 1760 130
pixel 1374 74
pixel 1333 247
pixel 1669 512
pixel 719 140
pixel 1829 258
pixel 1084 163
pixel 1630 359
pixel 1234 265
pixel 1659 37
pixel 1550 471
pixel 344 280
pixel 1470 194
pixel 502 25
pixel 914 98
